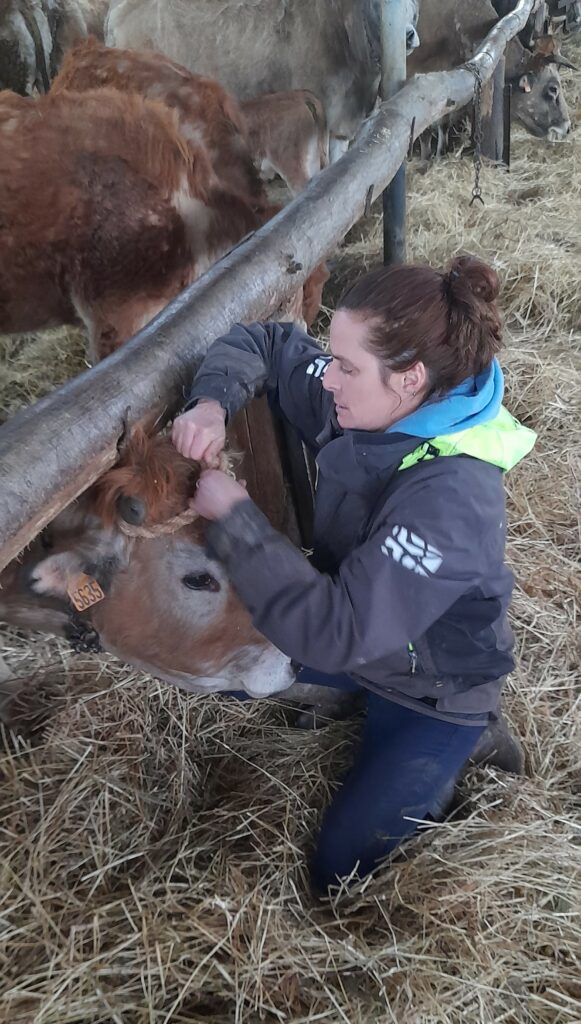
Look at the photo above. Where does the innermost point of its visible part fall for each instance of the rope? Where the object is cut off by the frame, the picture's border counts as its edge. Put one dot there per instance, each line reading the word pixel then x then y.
pixel 189 515
pixel 170 526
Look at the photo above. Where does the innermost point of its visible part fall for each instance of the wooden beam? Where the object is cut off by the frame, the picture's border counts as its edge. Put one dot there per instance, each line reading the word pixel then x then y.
pixel 51 451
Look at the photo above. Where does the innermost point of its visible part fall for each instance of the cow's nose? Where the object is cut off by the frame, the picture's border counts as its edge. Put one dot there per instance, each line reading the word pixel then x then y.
pixel 131 509
pixel 558 132
pixel 412 39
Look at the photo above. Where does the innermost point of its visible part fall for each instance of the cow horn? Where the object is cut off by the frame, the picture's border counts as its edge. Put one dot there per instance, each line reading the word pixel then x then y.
pixel 562 62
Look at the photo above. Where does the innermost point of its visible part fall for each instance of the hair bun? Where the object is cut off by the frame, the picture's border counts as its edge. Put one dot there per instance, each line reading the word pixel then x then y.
pixel 470 273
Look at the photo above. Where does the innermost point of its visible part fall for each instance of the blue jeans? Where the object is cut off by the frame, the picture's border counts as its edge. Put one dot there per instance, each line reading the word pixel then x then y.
pixel 404 768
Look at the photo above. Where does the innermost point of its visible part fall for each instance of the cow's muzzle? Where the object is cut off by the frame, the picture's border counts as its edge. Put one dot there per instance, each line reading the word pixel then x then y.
pixel 412 39
pixel 558 132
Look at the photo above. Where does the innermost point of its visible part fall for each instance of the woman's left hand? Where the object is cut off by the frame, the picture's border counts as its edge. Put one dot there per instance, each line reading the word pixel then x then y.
pixel 217 494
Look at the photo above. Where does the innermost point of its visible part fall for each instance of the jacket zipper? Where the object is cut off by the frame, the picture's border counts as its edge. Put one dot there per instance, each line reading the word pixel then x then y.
pixel 413 659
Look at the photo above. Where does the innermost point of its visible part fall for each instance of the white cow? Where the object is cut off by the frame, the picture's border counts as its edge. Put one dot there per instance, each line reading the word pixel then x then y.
pixel 331 47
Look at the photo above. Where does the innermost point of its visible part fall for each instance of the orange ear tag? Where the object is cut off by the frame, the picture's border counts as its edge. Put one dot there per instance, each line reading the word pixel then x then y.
pixel 84 591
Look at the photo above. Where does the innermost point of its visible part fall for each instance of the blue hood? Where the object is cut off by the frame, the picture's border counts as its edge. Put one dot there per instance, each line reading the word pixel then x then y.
pixel 476 400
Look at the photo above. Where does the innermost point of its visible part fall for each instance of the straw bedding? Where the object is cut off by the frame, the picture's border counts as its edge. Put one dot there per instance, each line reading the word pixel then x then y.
pixel 154 844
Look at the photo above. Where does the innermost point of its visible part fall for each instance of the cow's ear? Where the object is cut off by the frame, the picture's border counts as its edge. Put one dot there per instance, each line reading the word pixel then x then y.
pixel 546 45
pixel 524 83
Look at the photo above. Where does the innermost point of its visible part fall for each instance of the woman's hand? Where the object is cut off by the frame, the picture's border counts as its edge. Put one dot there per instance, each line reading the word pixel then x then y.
pixel 200 433
pixel 217 494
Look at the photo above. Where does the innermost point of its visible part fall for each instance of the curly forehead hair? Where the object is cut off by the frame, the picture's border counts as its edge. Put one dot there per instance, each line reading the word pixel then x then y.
pixel 448 320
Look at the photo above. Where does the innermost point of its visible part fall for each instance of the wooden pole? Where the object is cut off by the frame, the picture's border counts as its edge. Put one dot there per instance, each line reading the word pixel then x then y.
pixel 493 114
pixel 51 451
pixel 393 77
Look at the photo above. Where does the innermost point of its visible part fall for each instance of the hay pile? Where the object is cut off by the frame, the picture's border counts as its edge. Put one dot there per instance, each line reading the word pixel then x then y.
pixel 154 844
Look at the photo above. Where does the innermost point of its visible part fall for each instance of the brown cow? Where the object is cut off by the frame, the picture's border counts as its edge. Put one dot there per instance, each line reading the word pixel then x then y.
pixel 208 116
pixel 105 213
pixel 288 135
pixel 168 608
pixel 123 204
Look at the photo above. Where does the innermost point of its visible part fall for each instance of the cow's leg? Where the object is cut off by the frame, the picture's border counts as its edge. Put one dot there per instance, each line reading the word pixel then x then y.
pixel 426 145
pixel 311 163
pixel 296 175
pixel 442 143
pixel 337 147
pixel 267 171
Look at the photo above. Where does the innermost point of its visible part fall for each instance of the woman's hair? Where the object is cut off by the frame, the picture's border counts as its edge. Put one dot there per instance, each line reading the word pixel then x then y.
pixel 447 320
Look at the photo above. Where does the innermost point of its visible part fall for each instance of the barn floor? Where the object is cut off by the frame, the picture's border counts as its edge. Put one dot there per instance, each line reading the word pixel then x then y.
pixel 153 845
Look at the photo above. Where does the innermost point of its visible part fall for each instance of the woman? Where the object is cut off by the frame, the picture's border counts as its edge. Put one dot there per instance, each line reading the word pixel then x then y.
pixel 407 592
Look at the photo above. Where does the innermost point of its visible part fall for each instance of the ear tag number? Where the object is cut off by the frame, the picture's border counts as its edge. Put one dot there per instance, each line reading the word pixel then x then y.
pixel 84 591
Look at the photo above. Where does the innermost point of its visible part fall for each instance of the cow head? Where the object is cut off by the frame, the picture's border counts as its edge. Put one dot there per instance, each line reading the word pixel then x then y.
pixel 150 484
pixel 537 98
pixel 372 13
pixel 567 14
pixel 412 38
pixel 168 607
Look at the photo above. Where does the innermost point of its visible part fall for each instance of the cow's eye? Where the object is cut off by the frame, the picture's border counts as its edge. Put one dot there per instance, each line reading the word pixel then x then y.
pixel 201 581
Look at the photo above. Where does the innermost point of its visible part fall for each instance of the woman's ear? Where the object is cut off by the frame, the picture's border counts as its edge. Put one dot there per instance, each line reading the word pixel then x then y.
pixel 415 380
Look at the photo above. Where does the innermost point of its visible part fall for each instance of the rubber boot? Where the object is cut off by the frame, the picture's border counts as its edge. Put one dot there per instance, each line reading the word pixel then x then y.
pixel 499 747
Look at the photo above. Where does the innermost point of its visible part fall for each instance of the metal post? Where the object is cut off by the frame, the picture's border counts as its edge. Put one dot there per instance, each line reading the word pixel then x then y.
pixel 507 113
pixel 393 76
pixel 493 115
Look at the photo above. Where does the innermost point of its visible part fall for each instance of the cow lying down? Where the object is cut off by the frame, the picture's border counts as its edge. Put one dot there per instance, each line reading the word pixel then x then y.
pixel 166 607
pixel 159 603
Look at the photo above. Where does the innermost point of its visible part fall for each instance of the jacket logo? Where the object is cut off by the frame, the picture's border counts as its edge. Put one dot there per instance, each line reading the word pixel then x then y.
pixel 412 552
pixel 318 366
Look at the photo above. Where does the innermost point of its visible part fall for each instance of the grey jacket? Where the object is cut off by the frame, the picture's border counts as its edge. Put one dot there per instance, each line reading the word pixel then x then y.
pixel 407 590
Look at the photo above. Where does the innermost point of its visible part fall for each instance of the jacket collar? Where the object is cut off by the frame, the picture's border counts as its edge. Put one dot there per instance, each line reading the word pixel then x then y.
pixel 360 458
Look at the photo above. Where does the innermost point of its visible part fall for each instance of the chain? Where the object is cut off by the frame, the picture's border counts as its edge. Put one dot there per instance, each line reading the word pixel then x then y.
pixel 477 191
pixel 82 635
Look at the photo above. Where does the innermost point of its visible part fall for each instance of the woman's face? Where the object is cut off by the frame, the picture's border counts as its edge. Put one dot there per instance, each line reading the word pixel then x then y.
pixel 364 398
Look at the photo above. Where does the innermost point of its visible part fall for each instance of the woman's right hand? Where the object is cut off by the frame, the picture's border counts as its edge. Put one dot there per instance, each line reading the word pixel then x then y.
pixel 200 433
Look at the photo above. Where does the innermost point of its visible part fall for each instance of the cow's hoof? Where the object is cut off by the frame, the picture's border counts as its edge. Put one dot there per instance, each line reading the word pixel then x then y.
pixel 499 747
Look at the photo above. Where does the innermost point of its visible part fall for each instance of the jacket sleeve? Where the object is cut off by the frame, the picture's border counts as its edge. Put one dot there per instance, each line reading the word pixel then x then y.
pixel 387 592
pixel 267 358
